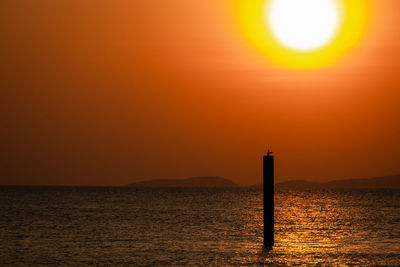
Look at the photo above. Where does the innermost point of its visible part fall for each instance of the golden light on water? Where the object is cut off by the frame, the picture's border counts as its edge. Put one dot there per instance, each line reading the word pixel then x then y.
pixel 303 33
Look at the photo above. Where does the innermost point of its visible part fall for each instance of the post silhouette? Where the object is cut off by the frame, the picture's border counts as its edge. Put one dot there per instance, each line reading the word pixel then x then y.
pixel 268 187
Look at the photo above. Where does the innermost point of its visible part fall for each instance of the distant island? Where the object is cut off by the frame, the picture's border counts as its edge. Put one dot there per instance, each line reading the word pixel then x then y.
pixel 389 182
pixel 204 181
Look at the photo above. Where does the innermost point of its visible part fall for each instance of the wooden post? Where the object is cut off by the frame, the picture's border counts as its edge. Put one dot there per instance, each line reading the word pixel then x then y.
pixel 268 186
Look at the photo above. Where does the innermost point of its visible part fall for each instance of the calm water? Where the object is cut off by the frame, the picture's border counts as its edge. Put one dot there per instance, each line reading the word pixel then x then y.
pixel 75 225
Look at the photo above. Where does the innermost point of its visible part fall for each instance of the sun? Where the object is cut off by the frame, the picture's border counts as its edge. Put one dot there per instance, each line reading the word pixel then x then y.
pixel 303 25
pixel 303 34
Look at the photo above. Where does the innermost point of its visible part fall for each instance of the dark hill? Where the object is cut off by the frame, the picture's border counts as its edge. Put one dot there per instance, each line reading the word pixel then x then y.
pixel 207 181
pixel 389 182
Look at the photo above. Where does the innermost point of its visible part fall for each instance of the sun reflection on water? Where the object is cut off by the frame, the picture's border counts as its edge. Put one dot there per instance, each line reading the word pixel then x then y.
pixel 331 227
pixel 224 227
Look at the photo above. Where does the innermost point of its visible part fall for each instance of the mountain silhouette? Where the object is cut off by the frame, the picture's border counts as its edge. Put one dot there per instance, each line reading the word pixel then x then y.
pixel 389 182
pixel 204 181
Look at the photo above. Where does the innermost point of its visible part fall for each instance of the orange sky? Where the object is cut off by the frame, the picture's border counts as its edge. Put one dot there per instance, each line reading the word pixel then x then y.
pixel 109 92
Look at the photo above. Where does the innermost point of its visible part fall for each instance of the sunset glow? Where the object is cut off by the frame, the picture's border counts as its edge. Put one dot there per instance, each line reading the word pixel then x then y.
pixel 305 33
pixel 303 25
pixel 115 92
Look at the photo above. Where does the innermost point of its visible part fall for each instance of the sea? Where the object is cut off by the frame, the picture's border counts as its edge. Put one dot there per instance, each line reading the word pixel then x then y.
pixel 77 226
